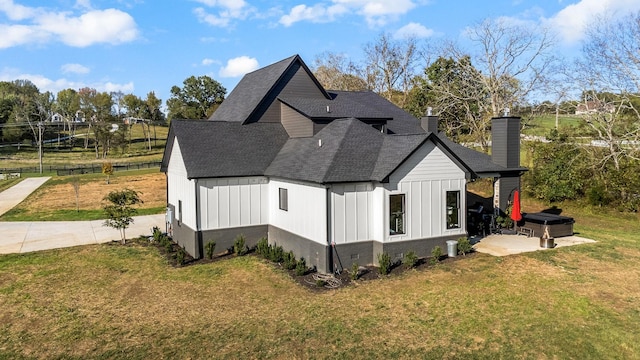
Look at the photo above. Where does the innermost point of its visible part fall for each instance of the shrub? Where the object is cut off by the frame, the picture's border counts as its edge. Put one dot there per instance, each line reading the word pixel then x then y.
pixel 209 249
pixel 410 259
pixel 239 247
pixel 289 261
pixel 301 267
pixel 464 246
pixel 157 234
pixel 262 247
pixel 436 254
pixel 276 253
pixel 181 256
pixel 320 283
pixel 384 260
pixel 355 271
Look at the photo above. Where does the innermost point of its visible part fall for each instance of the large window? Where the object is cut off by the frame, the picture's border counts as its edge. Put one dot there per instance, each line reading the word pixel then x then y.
pixel 283 200
pixel 453 209
pixel 396 214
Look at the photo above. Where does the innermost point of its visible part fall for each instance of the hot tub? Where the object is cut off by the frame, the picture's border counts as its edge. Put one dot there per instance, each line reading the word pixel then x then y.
pixel 557 225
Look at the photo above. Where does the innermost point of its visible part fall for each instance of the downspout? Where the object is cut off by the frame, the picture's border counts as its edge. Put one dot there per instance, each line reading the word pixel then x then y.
pixel 328 218
pixel 198 239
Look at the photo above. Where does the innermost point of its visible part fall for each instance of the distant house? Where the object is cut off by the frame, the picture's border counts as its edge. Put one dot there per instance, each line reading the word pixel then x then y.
pixel 591 107
pixel 335 176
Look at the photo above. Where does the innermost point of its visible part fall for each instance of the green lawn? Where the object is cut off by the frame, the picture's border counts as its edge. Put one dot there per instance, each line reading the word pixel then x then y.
pixel 137 151
pixel 113 301
pixel 542 125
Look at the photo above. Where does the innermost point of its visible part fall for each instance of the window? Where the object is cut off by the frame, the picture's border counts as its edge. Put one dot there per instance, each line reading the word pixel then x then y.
pixel 453 209
pixel 179 212
pixel 283 200
pixel 396 214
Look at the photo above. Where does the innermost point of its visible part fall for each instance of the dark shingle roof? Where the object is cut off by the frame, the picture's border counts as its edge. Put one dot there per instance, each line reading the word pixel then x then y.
pixel 402 123
pixel 222 149
pixel 250 91
pixel 346 150
pixel 254 88
pixel 341 105
pixel 479 162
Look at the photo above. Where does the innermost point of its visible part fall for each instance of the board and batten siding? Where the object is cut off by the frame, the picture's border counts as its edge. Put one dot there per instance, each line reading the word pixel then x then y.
pixel 306 212
pixel 233 202
pixel 353 212
pixel 180 188
pixel 424 178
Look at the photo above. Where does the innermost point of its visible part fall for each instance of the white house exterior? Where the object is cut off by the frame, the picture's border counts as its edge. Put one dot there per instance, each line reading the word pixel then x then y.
pixel 337 177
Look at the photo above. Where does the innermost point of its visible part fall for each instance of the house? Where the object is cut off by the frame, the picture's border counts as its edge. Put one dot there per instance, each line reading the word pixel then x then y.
pixel 337 177
pixel 594 107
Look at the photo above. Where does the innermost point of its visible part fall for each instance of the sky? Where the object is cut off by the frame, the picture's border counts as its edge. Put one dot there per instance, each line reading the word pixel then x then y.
pixel 139 46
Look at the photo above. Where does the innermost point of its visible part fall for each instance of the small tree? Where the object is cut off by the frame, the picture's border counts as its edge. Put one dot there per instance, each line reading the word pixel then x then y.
pixel 107 169
pixel 120 210
pixel 75 182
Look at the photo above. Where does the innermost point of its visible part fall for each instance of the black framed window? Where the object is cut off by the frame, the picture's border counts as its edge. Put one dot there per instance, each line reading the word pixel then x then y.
pixel 396 214
pixel 453 209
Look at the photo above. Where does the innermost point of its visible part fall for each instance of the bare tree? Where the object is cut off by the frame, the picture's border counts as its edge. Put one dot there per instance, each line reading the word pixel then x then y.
pixel 336 72
pixel 390 66
pixel 512 59
pixel 609 74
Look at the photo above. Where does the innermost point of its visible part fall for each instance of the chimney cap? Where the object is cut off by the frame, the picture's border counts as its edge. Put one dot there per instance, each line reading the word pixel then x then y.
pixel 429 111
pixel 506 112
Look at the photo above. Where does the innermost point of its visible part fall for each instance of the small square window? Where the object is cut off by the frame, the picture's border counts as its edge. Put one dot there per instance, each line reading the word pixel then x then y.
pixel 283 199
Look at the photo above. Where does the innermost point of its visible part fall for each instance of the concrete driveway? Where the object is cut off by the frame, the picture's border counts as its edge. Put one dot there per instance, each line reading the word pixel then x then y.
pixel 15 194
pixel 22 237
pixel 502 245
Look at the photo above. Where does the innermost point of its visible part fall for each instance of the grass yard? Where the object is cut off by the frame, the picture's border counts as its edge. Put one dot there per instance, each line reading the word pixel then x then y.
pixel 113 301
pixel 541 125
pixel 56 200
pixel 137 151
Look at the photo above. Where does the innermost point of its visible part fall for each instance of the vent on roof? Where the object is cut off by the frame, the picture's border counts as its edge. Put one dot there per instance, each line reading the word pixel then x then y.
pixel 319 142
pixel 328 109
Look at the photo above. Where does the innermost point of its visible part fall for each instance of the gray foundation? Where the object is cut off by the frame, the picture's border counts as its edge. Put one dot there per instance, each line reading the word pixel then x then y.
pixel 315 254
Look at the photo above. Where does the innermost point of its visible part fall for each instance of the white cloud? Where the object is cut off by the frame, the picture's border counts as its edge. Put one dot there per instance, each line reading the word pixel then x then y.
pixel 17 12
pixel 317 13
pixel 413 30
pixel 375 12
pixel 75 69
pixel 207 62
pixel 225 12
pixel 54 85
pixel 239 66
pixel 571 22
pixel 38 25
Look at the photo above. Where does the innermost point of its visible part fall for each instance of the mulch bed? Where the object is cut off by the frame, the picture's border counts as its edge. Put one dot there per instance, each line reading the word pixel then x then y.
pixel 311 277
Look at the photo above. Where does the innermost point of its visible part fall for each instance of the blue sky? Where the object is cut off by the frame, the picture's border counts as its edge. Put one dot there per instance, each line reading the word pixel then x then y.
pixel 137 46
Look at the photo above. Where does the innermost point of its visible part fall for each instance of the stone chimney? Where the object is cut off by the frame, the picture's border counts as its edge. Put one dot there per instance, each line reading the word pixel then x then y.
pixel 505 151
pixel 430 122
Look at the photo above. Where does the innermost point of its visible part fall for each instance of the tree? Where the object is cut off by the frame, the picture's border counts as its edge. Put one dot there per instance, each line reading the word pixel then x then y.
pixel 120 210
pixel 609 74
pixel 451 87
pixel 107 170
pixel 336 72
pixel 512 59
pixel 97 109
pixel 197 99
pixel 390 66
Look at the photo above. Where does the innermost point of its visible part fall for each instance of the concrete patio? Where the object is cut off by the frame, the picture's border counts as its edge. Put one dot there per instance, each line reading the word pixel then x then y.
pixel 503 245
